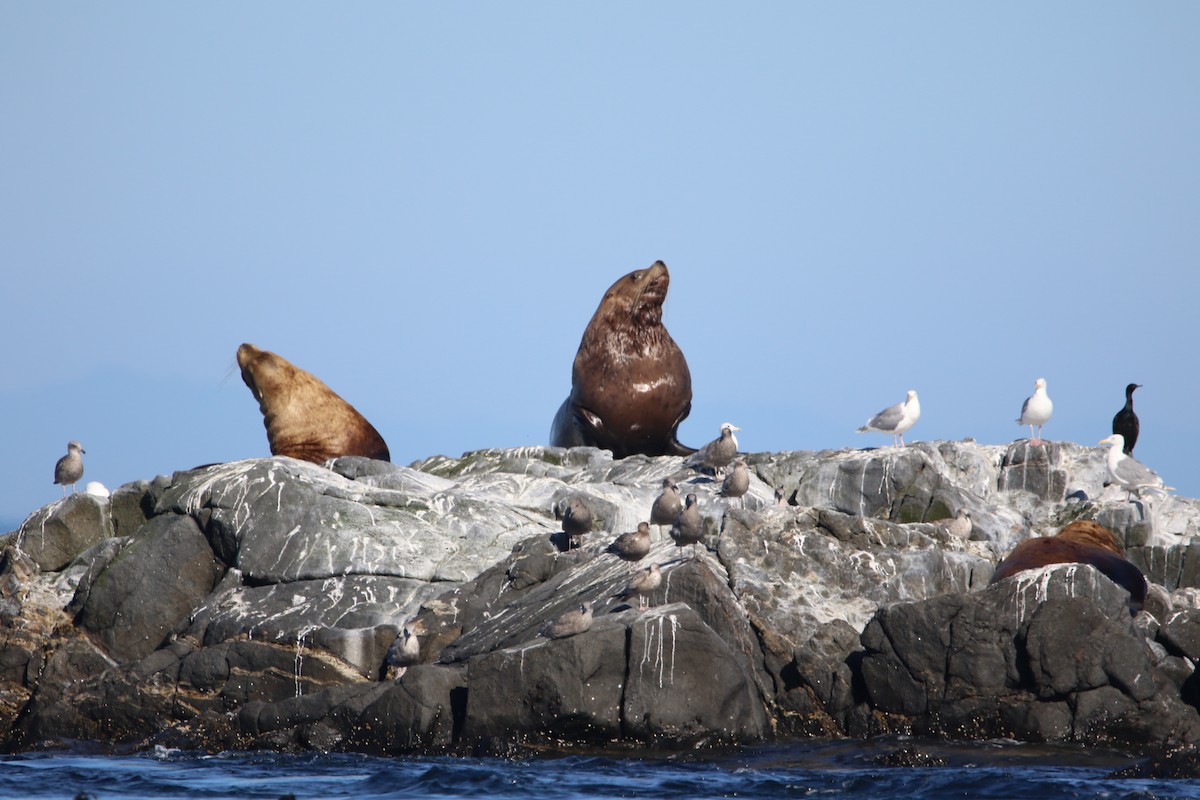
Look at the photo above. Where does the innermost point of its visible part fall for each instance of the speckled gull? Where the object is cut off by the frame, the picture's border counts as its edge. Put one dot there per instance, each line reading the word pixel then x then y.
pixel 69 468
pixel 1036 411
pixel 1130 473
pixel 896 419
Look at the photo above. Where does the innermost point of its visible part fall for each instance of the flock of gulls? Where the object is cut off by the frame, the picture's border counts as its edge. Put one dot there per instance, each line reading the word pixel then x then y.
pixel 683 516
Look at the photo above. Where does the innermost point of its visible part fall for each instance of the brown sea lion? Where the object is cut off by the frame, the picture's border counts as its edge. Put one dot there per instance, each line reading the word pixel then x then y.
pixel 304 418
pixel 630 384
pixel 1077 544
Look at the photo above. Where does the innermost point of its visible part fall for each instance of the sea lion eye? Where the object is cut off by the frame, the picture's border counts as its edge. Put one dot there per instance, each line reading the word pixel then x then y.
pixel 637 276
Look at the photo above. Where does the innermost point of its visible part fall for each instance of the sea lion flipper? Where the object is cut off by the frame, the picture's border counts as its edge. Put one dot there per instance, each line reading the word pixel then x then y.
pixel 674 448
pixel 590 425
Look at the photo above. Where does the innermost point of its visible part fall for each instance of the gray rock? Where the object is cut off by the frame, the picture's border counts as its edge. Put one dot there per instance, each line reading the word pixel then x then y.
pixel 55 534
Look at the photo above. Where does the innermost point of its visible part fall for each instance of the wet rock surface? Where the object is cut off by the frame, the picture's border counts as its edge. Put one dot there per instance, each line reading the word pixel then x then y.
pixel 252 604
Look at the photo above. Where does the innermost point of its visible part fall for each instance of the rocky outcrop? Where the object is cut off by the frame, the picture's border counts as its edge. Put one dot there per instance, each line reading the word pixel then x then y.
pixel 252 604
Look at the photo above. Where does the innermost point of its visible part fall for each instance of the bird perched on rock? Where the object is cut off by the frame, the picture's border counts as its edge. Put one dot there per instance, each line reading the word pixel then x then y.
pixel 667 505
pixel 959 526
pixel 780 498
pixel 576 521
pixel 1036 411
pixel 642 584
pixel 633 546
pixel 737 483
pixel 896 419
pixel 1126 422
pixel 569 623
pixel 69 468
pixel 1130 473
pixel 719 452
pixel 689 525
pixel 406 649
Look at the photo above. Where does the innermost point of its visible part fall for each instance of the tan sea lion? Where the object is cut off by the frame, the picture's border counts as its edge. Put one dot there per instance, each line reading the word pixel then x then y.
pixel 304 418
pixel 630 384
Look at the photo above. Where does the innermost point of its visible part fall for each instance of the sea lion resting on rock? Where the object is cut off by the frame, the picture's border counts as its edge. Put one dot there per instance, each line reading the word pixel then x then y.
pixel 630 384
pixel 1078 543
pixel 304 418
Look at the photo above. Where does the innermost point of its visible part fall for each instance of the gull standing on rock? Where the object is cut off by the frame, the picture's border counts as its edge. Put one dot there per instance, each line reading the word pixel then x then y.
pixel 632 546
pixel 1126 422
pixel 1130 473
pixel 406 650
pixel 689 525
pixel 737 483
pixel 642 583
pixel 960 525
pixel 719 452
pixel 576 521
pixel 896 419
pixel 1036 410
pixel 667 505
pixel 569 623
pixel 69 468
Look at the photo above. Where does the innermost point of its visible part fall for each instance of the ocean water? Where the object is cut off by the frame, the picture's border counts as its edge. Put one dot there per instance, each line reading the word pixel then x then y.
pixel 838 769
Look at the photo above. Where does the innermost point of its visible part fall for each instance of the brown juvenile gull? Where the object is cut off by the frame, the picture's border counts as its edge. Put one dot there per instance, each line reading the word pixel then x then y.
pixel 689 525
pixel 69 468
pixel 667 505
pixel 737 483
pixel 719 452
pixel 959 525
pixel 896 419
pixel 642 583
pixel 633 546
pixel 569 623
pixel 576 521
pixel 1126 422
pixel 1036 410
pixel 1130 473
pixel 406 649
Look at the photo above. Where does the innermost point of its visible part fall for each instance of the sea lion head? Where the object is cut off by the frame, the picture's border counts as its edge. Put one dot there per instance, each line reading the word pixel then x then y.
pixel 633 304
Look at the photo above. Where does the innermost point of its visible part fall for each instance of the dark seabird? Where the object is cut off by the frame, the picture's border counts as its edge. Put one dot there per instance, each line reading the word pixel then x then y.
pixel 689 525
pixel 1126 422
pixel 642 584
pixel 737 483
pixel 780 499
pixel 1130 473
pixel 719 452
pixel 69 468
pixel 406 649
pixel 576 521
pixel 632 546
pixel 896 419
pixel 1036 411
pixel 667 505
pixel 569 623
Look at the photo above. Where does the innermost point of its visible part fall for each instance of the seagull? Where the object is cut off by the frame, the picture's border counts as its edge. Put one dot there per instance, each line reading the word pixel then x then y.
pixel 667 505
pixel 959 525
pixel 69 468
pixel 689 525
pixel 568 623
pixel 1036 410
pixel 642 583
pixel 1126 422
pixel 737 483
pixel 576 521
pixel 632 546
pixel 719 452
pixel 896 419
pixel 1128 471
pixel 406 649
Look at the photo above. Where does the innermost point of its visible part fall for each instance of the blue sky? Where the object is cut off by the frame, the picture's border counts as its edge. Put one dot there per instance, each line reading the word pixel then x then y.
pixel 423 203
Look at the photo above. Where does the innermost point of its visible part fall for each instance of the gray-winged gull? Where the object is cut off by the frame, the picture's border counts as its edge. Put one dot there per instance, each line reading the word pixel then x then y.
pixel 642 584
pixel 1036 410
pixel 896 419
pixel 689 525
pixel 69 468
pixel 1130 473
pixel 737 483
pixel 667 505
pixel 633 546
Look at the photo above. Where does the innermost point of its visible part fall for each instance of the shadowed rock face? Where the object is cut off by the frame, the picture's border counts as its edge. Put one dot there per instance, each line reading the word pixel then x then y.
pixel 252 604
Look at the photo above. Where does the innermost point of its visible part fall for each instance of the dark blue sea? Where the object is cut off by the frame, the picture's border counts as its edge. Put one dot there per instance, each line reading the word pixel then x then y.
pixel 840 769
